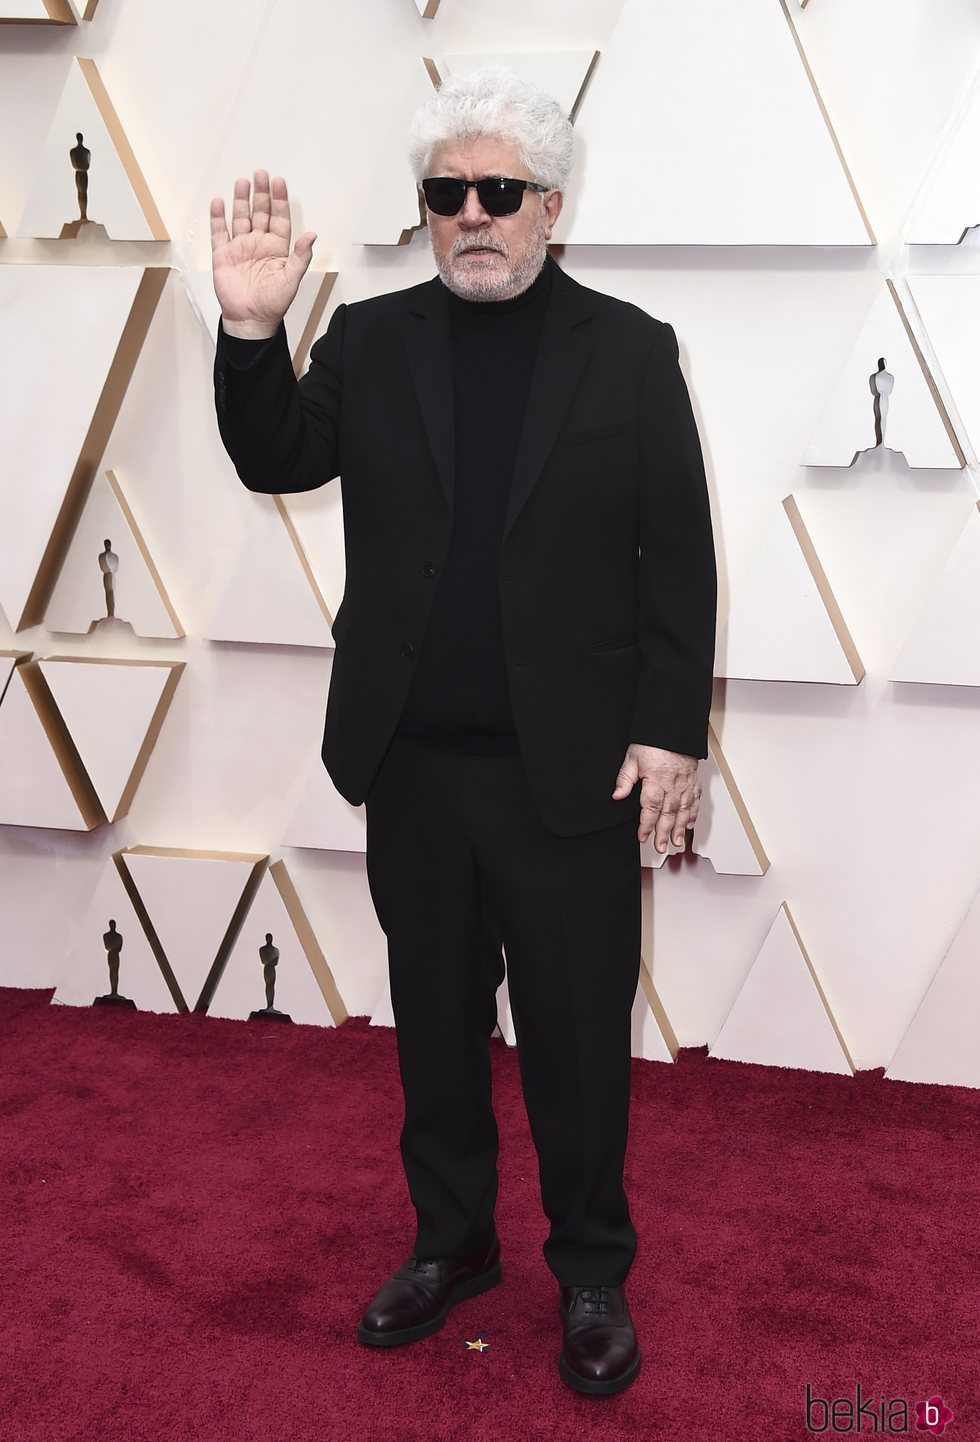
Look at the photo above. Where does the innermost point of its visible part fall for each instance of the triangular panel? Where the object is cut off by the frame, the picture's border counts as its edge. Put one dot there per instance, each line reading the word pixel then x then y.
pixel 303 985
pixel 950 204
pixel 942 1043
pixel 272 597
pixel 724 832
pixel 114 711
pixel 72 334
pixel 194 902
pixel 85 974
pixel 943 647
pixel 784 623
pixel 723 162
pixel 97 173
pixel 885 397
pixel 947 305
pixel 781 1016
pixel 42 782
pixel 36 12
pixel 123 582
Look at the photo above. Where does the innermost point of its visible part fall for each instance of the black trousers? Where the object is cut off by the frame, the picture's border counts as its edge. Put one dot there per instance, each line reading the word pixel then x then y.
pixel 458 863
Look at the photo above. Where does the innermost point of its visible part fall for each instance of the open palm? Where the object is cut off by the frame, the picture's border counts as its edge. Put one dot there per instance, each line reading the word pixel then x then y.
pixel 256 277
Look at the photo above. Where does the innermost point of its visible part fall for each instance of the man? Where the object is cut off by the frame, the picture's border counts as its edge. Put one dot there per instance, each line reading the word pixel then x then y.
pixel 527 631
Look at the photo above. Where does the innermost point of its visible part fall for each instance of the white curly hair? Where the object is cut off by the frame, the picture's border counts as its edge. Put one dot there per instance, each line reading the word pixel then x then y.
pixel 493 101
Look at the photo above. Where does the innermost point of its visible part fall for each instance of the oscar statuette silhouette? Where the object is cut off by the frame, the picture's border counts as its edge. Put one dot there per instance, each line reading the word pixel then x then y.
pixel 81 161
pixel 109 565
pixel 81 158
pixel 882 385
pixel 113 943
pixel 269 956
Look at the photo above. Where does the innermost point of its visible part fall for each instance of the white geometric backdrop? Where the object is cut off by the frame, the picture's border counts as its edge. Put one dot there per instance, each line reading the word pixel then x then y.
pixel 796 191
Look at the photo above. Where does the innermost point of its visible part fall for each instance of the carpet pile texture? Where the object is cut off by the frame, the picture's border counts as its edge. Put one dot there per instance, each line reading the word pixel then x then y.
pixel 195 1211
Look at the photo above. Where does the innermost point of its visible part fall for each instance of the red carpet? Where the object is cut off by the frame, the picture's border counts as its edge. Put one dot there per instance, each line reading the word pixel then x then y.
pixel 195 1211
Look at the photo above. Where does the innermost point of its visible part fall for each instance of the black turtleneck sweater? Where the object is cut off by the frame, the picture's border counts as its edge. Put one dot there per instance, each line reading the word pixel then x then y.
pixel 459 696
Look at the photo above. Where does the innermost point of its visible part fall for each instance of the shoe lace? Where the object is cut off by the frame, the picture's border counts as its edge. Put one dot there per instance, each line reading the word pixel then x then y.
pixel 596 1299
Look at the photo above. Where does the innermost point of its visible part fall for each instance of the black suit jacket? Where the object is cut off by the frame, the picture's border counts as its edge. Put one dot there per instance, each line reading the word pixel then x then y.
pixel 606 570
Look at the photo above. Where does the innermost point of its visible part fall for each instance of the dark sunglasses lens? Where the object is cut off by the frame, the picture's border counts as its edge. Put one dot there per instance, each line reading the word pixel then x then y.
pixel 443 195
pixel 500 195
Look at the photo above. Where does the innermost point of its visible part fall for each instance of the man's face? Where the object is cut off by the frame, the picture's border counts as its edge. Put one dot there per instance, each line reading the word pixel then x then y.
pixel 481 256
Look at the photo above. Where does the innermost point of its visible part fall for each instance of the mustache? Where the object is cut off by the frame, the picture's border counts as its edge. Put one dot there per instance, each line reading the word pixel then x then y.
pixel 461 246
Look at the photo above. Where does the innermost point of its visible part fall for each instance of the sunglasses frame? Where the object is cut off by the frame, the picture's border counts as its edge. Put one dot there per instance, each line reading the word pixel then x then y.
pixel 484 179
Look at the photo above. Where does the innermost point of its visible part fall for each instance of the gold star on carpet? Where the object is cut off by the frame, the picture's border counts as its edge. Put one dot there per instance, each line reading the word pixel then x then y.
pixel 478 1346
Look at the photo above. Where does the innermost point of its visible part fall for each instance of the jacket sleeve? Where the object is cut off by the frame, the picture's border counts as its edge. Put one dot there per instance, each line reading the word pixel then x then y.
pixel 281 434
pixel 677 574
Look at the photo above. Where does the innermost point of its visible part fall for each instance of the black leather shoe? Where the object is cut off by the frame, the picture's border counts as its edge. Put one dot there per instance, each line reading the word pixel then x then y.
pixel 415 1301
pixel 601 1354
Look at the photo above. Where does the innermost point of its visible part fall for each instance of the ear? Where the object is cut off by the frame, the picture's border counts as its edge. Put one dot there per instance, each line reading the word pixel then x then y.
pixel 553 201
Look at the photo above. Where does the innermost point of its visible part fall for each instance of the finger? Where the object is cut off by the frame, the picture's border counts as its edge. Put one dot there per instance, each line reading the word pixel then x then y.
pixel 681 822
pixel 280 223
pixel 664 823
pixel 648 820
pixel 261 202
pixel 651 800
pixel 241 218
pixel 219 226
pixel 695 808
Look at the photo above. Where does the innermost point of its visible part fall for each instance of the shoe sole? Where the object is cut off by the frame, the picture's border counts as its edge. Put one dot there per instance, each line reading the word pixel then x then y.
pixel 598 1388
pixel 481 1283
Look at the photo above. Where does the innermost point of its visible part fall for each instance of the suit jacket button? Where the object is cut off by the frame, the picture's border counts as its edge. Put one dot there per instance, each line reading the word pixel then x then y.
pixel 429 568
pixel 408 650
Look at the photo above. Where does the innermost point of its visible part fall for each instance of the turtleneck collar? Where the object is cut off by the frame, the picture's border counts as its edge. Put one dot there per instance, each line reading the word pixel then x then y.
pixel 537 290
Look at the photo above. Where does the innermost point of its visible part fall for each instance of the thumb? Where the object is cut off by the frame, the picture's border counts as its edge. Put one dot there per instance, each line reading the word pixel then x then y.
pixel 626 779
pixel 299 261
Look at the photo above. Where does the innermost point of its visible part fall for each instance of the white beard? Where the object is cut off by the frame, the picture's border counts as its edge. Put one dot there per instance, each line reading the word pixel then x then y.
pixel 488 280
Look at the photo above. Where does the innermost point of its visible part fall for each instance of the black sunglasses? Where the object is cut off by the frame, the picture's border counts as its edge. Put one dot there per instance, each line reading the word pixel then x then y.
pixel 499 194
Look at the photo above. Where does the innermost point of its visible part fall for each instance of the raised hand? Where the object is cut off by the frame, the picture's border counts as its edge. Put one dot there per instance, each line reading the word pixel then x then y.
pixel 255 275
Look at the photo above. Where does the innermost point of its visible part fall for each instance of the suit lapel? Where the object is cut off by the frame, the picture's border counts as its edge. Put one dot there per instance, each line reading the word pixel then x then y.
pixel 563 350
pixel 429 346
